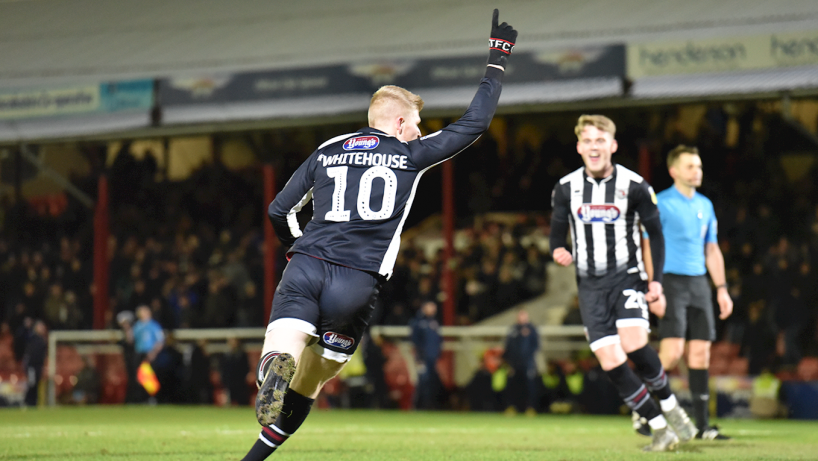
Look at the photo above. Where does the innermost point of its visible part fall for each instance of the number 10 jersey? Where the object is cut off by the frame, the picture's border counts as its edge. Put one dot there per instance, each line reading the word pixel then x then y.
pixel 362 185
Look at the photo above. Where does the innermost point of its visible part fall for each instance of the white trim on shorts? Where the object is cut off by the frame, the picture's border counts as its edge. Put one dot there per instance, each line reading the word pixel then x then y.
pixel 633 323
pixel 605 341
pixel 323 352
pixel 290 323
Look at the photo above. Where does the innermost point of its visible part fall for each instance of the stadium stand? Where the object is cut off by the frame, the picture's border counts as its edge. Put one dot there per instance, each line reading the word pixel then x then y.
pixel 186 192
pixel 189 264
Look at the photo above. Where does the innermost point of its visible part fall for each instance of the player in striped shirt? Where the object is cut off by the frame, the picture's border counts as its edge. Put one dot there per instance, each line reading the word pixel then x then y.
pixel 603 205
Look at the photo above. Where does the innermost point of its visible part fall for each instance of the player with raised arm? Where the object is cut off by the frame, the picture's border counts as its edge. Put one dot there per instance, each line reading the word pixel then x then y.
pixel 362 185
pixel 691 241
pixel 603 204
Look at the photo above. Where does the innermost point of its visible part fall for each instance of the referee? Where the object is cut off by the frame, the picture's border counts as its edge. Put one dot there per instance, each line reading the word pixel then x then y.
pixel 691 250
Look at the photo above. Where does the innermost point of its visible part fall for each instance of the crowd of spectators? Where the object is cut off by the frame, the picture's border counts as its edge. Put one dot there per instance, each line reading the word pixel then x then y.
pixel 497 264
pixel 168 252
pixel 192 250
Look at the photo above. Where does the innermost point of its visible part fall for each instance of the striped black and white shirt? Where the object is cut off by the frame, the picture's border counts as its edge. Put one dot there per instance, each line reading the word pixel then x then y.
pixel 604 217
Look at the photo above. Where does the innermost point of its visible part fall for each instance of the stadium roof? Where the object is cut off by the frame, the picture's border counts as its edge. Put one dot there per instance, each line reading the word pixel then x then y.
pixel 44 43
pixel 56 41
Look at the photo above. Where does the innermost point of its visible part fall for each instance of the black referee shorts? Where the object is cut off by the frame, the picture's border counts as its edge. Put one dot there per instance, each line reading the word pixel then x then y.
pixel 689 312
pixel 605 309
pixel 329 302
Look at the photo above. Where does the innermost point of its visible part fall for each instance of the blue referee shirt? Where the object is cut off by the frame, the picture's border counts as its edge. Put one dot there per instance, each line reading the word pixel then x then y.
pixel 146 335
pixel 687 224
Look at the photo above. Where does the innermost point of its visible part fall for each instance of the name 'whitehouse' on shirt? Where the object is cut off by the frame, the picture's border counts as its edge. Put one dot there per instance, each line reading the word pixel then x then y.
pixel 365 159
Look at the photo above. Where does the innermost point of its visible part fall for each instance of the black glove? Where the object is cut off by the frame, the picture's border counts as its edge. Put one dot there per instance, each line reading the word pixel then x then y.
pixel 501 42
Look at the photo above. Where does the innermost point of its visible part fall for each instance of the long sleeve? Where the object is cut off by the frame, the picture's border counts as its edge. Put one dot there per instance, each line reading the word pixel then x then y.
pixel 559 218
pixel 451 140
pixel 296 193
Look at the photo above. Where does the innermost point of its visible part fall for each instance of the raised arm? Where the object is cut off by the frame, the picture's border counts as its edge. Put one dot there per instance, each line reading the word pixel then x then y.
pixel 450 141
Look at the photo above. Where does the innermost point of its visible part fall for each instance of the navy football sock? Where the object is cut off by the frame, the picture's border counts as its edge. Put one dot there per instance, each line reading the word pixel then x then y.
pixel 633 392
pixel 649 368
pixel 259 451
pixel 293 413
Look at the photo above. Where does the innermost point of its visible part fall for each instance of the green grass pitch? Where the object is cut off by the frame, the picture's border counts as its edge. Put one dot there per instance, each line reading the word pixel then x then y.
pixel 210 433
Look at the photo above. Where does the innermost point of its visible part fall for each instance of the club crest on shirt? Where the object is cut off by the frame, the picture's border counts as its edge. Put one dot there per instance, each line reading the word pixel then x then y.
pixel 590 213
pixel 621 194
pixel 338 340
pixel 361 143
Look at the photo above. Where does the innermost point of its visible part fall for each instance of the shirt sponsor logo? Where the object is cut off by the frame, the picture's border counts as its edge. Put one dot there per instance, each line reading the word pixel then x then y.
pixel 338 340
pixel 361 143
pixel 598 213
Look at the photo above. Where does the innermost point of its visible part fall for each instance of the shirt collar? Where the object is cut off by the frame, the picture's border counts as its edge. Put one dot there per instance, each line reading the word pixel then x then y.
pixel 370 130
pixel 599 181
pixel 681 195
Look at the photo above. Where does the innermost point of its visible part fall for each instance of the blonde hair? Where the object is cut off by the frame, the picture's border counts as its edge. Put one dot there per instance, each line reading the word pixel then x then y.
pixel 391 99
pixel 677 151
pixel 601 122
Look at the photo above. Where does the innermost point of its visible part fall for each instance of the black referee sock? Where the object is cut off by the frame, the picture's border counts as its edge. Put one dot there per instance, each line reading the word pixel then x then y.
pixel 634 392
pixel 650 369
pixel 293 413
pixel 700 394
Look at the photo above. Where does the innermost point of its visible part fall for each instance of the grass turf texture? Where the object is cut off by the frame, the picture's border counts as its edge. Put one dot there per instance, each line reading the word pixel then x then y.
pixel 209 433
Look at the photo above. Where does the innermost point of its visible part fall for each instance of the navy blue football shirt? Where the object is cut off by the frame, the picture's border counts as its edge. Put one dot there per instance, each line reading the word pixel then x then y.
pixel 362 185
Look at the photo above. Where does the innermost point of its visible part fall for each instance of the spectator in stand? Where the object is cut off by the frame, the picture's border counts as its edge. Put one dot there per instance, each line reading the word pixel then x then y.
pixel 522 344
pixel 250 311
pixel 555 386
pixel 7 362
pixel 31 302
pixel 199 388
pixel 138 295
pixel 86 391
pixel 758 343
pixel 427 341
pixel 508 289
pixel 235 370
pixel 374 361
pixel 169 368
pixel 218 303
pixel 55 312
pixel 535 274
pixel 74 317
pixel 33 361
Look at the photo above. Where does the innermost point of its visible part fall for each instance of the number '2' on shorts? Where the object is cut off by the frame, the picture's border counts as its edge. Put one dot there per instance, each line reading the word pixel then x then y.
pixel 336 300
pixel 604 309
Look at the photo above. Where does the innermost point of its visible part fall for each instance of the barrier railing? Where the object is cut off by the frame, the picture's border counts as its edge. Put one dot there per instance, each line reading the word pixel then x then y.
pixel 464 341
